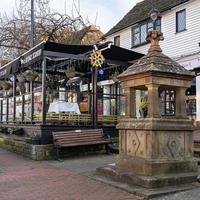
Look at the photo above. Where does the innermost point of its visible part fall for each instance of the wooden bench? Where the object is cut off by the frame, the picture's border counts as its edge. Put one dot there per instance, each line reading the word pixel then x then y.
pixel 79 138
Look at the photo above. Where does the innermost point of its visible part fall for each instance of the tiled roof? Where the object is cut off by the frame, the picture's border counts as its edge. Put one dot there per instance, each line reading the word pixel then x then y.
pixel 156 62
pixel 141 11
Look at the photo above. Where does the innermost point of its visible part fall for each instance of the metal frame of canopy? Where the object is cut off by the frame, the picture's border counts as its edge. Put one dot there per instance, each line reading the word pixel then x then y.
pixel 46 51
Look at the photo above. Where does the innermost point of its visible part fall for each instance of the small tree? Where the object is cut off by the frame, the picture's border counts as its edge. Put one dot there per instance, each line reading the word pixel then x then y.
pixel 49 25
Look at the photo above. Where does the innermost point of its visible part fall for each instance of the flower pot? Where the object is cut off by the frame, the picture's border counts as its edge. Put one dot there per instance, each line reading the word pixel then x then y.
pixel 30 78
pixel 21 88
pixel 6 85
pixel 21 79
pixel 70 74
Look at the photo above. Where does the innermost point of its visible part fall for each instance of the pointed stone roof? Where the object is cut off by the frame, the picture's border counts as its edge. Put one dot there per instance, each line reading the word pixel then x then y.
pixel 155 60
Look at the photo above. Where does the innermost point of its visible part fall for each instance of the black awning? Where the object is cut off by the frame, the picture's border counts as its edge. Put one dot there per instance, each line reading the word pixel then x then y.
pixel 120 54
pixel 49 49
pixel 68 49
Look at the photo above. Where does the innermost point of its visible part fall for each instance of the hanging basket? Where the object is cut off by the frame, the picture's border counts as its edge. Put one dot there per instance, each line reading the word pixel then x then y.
pixel 21 78
pixel 70 74
pixel 21 88
pixel 6 85
pixel 30 75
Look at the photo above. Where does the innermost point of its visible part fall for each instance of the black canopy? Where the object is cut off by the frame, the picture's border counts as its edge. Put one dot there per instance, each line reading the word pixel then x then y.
pixel 55 50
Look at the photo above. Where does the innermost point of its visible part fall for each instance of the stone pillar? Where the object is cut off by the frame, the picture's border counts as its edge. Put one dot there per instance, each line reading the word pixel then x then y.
pixel 130 98
pixel 153 101
pixel 180 102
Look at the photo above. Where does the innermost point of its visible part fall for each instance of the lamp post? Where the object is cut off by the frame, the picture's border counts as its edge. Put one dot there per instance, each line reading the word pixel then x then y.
pixel 32 24
pixel 154 14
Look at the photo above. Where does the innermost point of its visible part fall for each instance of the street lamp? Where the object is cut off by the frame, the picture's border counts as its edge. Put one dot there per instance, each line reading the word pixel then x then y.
pixel 154 14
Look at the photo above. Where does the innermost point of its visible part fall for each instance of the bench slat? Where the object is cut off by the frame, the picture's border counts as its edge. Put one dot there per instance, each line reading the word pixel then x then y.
pixel 76 135
pixel 85 143
pixel 80 138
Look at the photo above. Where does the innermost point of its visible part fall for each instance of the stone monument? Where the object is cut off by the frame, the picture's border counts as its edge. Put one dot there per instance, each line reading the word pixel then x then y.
pixel 155 151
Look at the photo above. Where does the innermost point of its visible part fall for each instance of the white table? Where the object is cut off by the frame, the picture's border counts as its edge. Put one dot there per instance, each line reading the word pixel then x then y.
pixel 63 106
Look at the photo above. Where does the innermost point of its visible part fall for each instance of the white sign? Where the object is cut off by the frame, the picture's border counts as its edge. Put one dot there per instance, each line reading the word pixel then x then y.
pixel 191 64
pixel 31 56
pixel 101 83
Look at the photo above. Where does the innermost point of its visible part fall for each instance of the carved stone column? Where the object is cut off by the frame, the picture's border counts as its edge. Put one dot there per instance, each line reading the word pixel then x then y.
pixel 180 102
pixel 130 99
pixel 153 101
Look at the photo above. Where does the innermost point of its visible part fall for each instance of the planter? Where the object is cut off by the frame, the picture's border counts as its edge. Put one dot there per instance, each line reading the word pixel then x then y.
pixel 21 88
pixel 70 74
pixel 30 78
pixel 30 75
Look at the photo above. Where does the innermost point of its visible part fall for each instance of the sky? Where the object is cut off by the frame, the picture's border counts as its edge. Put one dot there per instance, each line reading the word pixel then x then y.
pixel 104 13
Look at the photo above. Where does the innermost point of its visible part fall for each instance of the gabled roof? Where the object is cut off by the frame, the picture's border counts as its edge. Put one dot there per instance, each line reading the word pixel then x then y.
pixel 141 11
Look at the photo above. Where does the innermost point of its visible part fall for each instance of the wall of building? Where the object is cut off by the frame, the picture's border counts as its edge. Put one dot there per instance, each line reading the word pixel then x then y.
pixel 175 44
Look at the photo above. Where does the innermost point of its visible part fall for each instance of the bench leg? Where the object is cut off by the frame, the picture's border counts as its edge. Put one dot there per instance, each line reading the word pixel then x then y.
pixel 108 149
pixel 58 154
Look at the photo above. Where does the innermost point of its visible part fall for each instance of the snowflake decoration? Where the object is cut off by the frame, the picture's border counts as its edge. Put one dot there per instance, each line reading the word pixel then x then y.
pixel 96 58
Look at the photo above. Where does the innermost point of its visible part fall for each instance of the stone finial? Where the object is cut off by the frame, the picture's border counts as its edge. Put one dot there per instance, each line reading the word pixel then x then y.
pixel 154 37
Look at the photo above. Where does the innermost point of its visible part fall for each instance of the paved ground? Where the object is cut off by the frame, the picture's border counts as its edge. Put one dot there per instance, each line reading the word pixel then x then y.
pixel 23 179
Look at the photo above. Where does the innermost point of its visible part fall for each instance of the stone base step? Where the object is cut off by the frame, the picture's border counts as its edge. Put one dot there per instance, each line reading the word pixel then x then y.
pixel 144 192
pixel 155 181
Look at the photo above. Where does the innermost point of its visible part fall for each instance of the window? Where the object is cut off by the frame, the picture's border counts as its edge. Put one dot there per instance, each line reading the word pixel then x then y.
pixel 168 102
pixel 117 40
pixel 181 21
pixel 139 33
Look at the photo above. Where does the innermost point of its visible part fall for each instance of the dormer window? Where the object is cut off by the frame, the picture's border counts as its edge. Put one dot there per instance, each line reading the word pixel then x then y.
pixel 139 32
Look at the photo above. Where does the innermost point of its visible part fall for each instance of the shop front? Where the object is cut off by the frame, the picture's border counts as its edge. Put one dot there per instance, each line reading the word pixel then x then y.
pixel 55 87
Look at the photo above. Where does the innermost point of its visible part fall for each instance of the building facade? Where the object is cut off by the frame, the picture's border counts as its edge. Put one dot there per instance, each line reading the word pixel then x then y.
pixel 179 23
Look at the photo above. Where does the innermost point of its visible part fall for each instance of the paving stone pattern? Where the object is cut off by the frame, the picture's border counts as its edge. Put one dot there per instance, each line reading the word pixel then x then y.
pixel 24 179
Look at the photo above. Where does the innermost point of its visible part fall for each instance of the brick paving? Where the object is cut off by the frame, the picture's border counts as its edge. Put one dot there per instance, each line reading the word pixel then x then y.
pixel 23 179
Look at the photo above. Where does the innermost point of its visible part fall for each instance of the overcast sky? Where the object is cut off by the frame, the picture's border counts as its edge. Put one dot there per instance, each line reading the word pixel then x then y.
pixel 108 12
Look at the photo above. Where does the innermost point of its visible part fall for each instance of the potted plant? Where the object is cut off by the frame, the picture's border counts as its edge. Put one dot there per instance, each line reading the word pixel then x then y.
pixel 6 85
pixel 30 75
pixel 21 87
pixel 114 76
pixel 70 72
pixel 16 131
pixel 21 78
pixel 143 107
pixel 4 130
pixel 39 77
